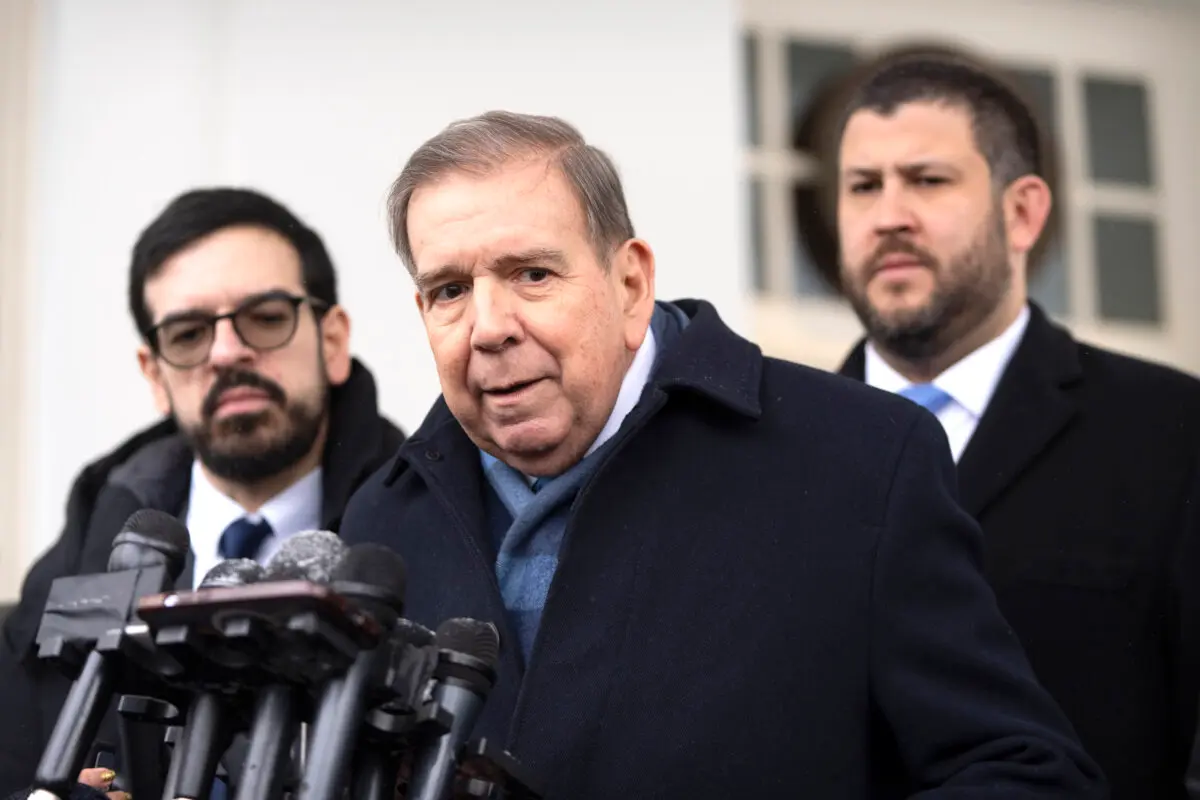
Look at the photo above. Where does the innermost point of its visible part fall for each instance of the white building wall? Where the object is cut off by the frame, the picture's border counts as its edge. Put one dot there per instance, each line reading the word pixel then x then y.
pixel 319 104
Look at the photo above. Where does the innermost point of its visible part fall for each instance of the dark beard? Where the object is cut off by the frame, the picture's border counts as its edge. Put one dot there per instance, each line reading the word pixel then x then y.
pixel 239 449
pixel 965 294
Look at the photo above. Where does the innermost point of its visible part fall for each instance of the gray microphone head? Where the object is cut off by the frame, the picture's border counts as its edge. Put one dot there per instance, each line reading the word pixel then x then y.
pixel 375 578
pixel 232 572
pixel 470 637
pixel 150 538
pixel 309 556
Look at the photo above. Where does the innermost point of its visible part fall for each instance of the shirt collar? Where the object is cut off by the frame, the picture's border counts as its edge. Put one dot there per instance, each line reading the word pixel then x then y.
pixel 294 510
pixel 971 381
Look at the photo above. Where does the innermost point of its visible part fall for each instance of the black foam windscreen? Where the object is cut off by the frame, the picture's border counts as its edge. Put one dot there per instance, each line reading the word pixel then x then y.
pixel 150 537
pixel 374 576
pixel 232 572
pixel 309 556
pixel 470 637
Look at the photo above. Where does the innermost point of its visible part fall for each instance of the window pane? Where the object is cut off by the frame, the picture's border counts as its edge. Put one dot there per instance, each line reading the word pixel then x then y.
pixel 750 70
pixel 1118 131
pixel 810 66
pixel 758 264
pixel 1127 268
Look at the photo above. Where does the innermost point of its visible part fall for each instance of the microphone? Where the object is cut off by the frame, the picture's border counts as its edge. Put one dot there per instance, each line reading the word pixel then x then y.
pixel 374 578
pixel 311 557
pixel 232 572
pixel 147 556
pixel 468 653
pixel 208 731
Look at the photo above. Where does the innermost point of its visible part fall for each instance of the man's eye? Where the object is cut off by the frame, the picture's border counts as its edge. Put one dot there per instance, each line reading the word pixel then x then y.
pixel 535 274
pixel 447 293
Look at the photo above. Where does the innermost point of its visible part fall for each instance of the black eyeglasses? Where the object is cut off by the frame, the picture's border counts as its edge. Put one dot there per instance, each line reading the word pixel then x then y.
pixel 263 322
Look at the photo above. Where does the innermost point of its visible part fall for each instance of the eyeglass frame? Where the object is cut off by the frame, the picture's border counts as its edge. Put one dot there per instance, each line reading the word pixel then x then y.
pixel 318 306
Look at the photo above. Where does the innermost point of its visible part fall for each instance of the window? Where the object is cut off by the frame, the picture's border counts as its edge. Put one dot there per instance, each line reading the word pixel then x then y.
pixel 1113 94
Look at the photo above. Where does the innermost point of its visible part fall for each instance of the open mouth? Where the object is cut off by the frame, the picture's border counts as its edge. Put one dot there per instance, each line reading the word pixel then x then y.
pixel 511 389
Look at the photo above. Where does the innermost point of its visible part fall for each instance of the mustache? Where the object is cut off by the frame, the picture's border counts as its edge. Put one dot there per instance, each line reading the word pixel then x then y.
pixel 232 379
pixel 894 245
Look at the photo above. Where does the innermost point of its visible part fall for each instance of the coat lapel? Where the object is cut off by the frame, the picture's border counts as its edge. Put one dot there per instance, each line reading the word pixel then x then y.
pixel 1031 406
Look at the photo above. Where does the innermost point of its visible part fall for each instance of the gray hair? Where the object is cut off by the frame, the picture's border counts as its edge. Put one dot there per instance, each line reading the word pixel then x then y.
pixel 485 143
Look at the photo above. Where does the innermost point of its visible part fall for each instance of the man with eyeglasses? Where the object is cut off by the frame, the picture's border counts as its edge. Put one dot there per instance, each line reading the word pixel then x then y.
pixel 270 422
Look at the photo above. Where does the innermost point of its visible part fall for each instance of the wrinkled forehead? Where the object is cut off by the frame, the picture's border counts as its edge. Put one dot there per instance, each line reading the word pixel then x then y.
pixel 222 270
pixel 474 221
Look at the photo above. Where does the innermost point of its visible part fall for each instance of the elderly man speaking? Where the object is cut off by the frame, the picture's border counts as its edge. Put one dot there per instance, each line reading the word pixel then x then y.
pixel 716 575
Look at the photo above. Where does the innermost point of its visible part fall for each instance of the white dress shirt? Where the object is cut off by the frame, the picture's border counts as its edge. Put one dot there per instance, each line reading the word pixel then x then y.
pixel 970 382
pixel 294 510
pixel 632 385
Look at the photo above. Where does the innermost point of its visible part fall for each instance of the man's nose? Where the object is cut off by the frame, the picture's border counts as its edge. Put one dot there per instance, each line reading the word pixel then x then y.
pixel 893 210
pixel 496 322
pixel 227 347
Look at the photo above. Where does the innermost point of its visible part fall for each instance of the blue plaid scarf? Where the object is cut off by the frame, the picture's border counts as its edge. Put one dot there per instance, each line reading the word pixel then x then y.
pixel 528 553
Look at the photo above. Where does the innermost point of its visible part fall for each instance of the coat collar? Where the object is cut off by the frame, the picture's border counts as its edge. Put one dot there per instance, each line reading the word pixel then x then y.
pixel 1033 403
pixel 359 441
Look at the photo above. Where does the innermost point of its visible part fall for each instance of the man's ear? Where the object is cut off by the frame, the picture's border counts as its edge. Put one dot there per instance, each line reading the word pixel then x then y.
pixel 633 275
pixel 335 344
pixel 1027 202
pixel 152 371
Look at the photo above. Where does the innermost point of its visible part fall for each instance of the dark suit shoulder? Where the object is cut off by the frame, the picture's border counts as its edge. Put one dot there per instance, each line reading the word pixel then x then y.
pixel 1137 381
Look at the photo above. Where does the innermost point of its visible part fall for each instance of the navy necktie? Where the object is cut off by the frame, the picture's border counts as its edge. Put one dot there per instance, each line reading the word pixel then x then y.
pixel 927 395
pixel 243 538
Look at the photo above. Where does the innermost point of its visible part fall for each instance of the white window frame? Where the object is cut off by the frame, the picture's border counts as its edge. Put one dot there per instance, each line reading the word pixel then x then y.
pixel 17 37
pixel 1068 37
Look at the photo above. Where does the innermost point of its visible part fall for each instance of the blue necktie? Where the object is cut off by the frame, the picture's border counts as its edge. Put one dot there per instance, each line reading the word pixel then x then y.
pixel 927 395
pixel 243 538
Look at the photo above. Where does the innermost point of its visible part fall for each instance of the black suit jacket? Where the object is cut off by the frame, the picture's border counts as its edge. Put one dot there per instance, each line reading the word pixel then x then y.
pixel 766 589
pixel 1080 473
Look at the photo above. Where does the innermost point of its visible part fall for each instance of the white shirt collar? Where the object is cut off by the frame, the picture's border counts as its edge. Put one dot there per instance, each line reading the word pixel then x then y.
pixel 294 510
pixel 971 381
pixel 635 380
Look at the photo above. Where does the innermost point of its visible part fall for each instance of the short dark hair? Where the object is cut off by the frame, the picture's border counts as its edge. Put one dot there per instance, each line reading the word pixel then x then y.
pixel 195 214
pixel 1005 129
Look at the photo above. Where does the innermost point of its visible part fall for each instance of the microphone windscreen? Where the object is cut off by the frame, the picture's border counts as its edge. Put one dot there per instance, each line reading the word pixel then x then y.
pixel 373 567
pixel 414 633
pixel 232 572
pixel 470 637
pixel 309 556
pixel 150 537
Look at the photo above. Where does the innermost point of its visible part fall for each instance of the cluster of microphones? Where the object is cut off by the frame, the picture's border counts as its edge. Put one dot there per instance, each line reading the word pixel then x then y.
pixel 297 679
